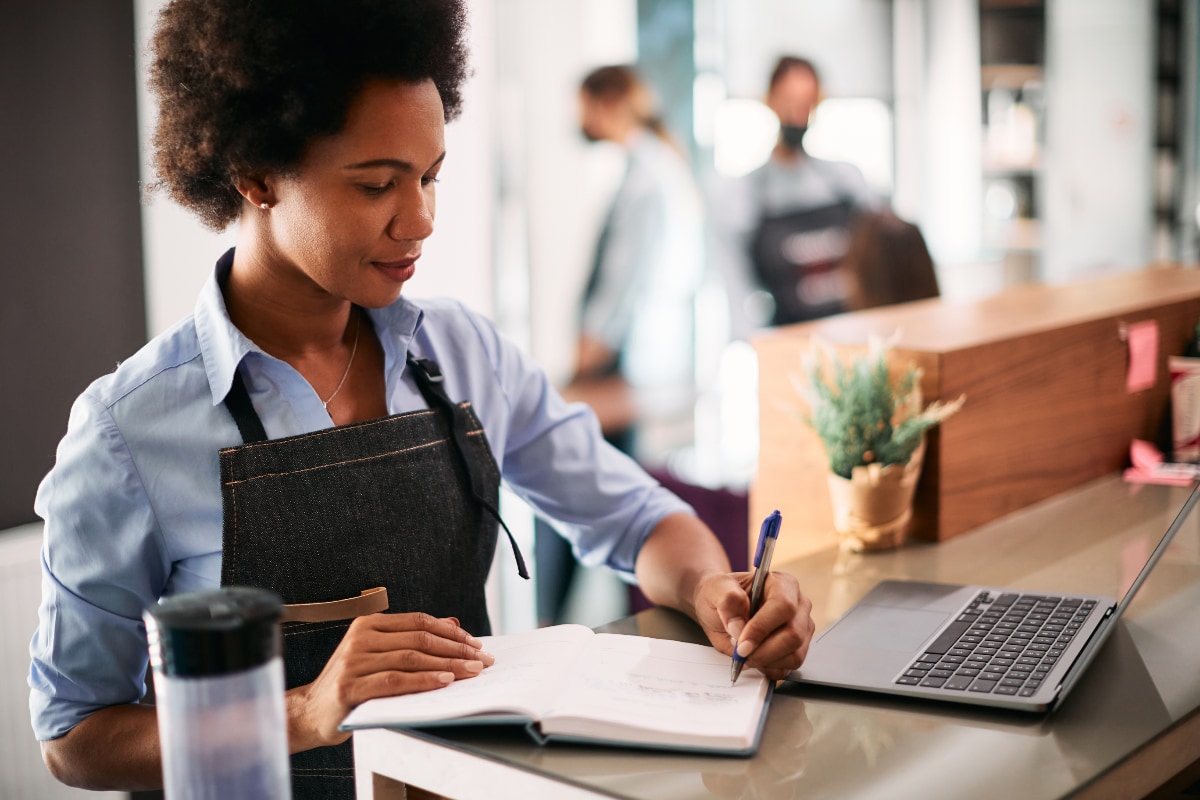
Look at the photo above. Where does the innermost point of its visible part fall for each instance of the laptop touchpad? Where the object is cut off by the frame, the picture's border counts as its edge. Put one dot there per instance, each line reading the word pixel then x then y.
pixel 879 628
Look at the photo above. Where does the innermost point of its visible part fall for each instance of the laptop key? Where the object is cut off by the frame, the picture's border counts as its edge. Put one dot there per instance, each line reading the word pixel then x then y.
pixel 1028 691
pixel 958 682
pixel 942 644
pixel 908 680
pixel 932 682
pixel 981 685
pixel 1002 689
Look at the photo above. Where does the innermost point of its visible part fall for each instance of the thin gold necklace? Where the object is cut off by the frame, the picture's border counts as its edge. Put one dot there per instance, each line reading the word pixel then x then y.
pixel 350 363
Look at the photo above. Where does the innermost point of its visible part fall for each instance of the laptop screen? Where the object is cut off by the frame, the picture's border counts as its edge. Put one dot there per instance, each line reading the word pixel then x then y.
pixel 1106 629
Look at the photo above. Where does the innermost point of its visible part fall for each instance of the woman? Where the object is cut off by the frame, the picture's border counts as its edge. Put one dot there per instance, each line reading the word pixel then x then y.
pixel 309 430
pixel 636 322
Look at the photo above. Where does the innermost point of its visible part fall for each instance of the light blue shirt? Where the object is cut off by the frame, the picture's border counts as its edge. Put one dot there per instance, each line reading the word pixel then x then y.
pixel 649 266
pixel 133 504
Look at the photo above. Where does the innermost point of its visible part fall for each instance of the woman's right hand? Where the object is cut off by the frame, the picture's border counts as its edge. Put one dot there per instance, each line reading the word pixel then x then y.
pixel 381 655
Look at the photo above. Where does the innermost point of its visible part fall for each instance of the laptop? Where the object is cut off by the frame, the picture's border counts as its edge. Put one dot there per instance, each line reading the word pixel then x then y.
pixel 976 645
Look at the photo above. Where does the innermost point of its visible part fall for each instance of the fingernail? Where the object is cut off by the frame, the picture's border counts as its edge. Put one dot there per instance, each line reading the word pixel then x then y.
pixel 745 648
pixel 471 640
pixel 474 667
pixel 455 621
pixel 487 658
pixel 445 677
pixel 735 628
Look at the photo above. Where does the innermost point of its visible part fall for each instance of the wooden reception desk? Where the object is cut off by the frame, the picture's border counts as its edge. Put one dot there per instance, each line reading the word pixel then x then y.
pixel 1044 372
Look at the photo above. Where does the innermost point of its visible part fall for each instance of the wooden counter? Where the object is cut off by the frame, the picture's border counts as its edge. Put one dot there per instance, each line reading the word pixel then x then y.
pixel 1044 372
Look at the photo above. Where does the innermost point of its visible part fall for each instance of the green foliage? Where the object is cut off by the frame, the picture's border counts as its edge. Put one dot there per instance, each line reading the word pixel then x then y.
pixel 856 412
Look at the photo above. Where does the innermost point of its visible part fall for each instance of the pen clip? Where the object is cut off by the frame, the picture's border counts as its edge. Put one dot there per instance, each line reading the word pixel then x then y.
pixel 769 530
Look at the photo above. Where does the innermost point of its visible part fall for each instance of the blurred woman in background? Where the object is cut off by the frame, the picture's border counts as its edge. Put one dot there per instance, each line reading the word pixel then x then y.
pixel 636 318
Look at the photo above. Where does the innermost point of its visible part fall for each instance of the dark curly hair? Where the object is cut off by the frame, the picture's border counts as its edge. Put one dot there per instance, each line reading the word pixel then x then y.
pixel 245 85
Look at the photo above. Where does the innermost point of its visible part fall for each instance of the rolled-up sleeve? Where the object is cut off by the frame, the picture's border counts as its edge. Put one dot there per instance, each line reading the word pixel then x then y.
pixel 626 262
pixel 102 563
pixel 555 458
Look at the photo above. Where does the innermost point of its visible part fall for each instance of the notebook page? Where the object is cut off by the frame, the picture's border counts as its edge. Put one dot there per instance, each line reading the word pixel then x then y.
pixel 657 691
pixel 522 681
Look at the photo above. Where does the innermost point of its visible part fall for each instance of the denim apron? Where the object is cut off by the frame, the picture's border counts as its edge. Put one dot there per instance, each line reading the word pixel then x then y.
pixel 797 258
pixel 405 502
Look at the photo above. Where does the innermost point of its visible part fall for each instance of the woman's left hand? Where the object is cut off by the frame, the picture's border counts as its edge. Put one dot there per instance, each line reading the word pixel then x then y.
pixel 776 639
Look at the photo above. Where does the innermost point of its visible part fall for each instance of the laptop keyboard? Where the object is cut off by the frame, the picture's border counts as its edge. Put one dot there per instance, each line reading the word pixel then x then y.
pixel 1004 645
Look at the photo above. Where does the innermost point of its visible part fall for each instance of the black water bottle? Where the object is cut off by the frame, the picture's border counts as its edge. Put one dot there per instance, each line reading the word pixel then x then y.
pixel 219 686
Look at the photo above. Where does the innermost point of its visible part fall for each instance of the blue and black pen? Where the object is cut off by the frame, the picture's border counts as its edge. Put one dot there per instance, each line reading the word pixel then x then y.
pixel 767 535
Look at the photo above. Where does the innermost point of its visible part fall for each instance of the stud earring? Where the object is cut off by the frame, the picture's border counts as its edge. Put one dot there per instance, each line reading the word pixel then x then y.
pixel 264 206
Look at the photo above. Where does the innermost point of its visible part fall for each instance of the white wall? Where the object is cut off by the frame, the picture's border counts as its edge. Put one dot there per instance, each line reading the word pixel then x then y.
pixel 950 203
pixel 561 184
pixel 1100 120
pixel 22 772
pixel 178 250
pixel 849 41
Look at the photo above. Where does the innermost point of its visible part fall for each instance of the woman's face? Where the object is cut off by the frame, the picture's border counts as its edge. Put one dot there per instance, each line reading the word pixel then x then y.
pixel 596 117
pixel 351 220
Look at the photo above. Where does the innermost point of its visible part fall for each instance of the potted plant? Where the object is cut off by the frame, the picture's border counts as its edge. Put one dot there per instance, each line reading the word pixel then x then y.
pixel 870 420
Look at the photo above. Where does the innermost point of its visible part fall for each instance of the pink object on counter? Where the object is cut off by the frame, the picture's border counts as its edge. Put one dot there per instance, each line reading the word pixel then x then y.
pixel 1149 467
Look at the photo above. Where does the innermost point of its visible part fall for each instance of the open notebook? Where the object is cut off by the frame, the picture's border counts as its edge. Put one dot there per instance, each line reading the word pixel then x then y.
pixel 569 683
pixel 975 645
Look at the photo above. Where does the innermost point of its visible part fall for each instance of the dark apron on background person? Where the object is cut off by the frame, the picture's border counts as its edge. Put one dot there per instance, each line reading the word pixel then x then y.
pixel 406 502
pixel 796 257
pixel 624 440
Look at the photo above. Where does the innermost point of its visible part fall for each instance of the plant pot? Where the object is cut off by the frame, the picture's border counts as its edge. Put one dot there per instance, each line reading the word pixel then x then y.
pixel 872 510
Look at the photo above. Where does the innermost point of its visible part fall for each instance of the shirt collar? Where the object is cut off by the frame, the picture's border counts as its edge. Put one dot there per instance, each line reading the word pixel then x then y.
pixel 224 347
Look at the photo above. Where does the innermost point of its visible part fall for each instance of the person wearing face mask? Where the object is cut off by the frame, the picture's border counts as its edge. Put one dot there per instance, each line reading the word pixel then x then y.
pixel 636 321
pixel 786 235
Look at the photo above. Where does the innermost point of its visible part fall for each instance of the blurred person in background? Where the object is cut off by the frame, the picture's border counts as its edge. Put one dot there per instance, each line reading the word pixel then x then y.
pixel 636 317
pixel 886 262
pixel 786 226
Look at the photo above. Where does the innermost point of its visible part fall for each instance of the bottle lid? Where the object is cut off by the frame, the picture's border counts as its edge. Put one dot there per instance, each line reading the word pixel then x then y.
pixel 214 632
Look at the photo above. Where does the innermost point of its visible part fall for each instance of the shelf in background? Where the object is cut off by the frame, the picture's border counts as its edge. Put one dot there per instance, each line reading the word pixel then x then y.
pixel 1009 76
pixel 1021 235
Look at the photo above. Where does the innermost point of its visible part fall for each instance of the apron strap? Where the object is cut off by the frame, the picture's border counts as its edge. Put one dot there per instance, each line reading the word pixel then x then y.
pixel 244 415
pixel 370 601
pixel 430 382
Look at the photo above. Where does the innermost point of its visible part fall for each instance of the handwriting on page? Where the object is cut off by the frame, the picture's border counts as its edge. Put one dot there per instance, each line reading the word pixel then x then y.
pixel 643 687
pixel 660 690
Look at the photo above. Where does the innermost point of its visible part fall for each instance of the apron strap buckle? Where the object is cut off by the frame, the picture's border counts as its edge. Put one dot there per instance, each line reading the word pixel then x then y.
pixel 430 368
